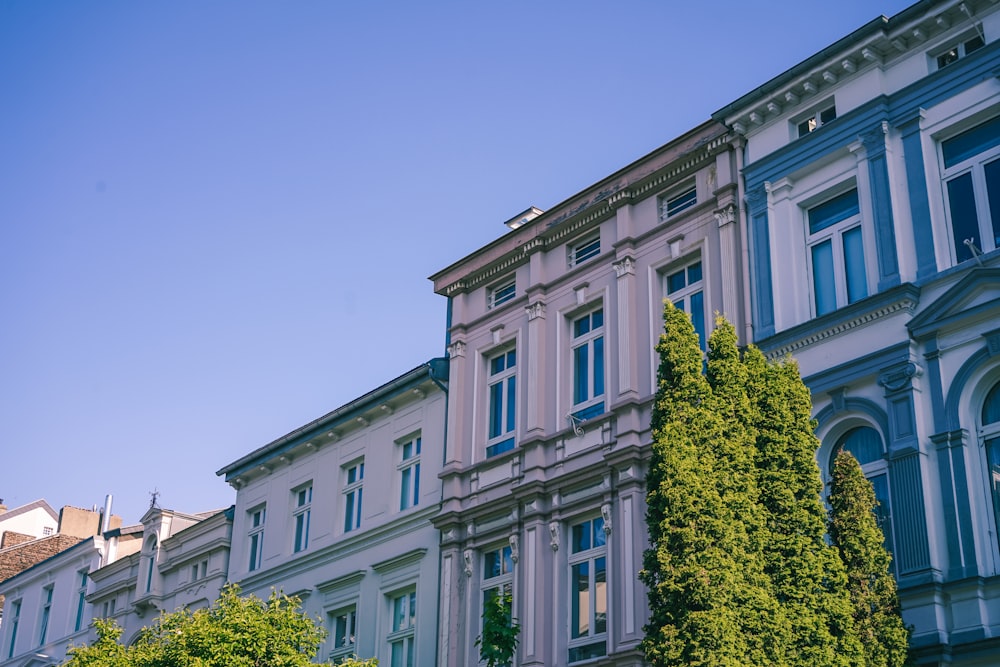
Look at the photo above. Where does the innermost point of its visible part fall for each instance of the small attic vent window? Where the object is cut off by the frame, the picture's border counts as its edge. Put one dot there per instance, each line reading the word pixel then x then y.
pixel 960 50
pixel 501 294
pixel 816 120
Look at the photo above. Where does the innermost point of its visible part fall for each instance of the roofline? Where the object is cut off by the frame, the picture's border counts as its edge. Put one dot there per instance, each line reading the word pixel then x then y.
pixel 391 388
pixel 41 503
pixel 58 554
pixel 879 24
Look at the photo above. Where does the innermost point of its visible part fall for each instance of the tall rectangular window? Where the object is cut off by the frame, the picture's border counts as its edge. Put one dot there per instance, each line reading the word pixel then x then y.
pixel 409 473
pixel 588 364
pixel 683 286
pixel 301 515
pixel 502 401
pixel 972 186
pixel 43 623
pixel 354 476
pixel 15 620
pixel 342 632
pixel 256 537
pixel 401 637
pixel 836 248
pixel 588 617
pixel 81 599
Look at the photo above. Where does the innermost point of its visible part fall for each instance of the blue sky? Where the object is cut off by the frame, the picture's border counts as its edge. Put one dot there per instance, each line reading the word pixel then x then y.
pixel 217 219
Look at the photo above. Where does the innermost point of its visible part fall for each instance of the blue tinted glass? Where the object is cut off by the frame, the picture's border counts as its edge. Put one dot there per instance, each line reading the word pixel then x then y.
pixel 864 443
pixel 993 456
pixel 598 366
pixel 964 220
pixel 694 273
pixel 496 364
pixel 992 171
pixel 826 294
pixel 581 537
pixel 597 319
pixel 581 326
pixel 991 407
pixel 511 388
pixel 511 358
pixel 854 263
pixel 496 407
pixel 675 281
pixel 580 374
pixel 492 565
pixel 971 142
pixel 833 211
pixel 882 511
pixel 697 302
pixel 599 536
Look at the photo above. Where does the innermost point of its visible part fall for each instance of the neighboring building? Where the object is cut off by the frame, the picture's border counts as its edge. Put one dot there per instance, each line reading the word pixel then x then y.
pixel 552 329
pixel 30 521
pixel 872 181
pixel 337 512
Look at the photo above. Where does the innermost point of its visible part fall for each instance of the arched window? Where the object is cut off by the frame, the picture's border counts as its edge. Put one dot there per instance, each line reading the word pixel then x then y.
pixel 991 440
pixel 153 546
pixel 865 444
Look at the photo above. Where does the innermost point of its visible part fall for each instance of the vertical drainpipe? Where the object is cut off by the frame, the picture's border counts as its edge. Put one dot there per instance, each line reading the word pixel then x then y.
pixel 741 148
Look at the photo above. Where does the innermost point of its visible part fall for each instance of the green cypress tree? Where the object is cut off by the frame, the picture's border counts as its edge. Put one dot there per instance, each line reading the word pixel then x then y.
pixel 706 603
pixel 854 531
pixel 807 575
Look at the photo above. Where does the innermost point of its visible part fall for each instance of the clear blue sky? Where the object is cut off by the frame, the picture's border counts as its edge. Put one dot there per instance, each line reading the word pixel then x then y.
pixel 217 218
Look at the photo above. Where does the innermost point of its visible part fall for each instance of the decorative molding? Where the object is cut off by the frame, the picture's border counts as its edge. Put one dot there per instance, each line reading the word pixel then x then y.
pixel 419 393
pixel 467 558
pixel 495 332
pixel 386 409
pixel 726 215
pixel 362 421
pixel 535 310
pixel 606 515
pixel 515 552
pixel 756 199
pixel 456 349
pixel 992 342
pixel 554 535
pixel 900 377
pixel 838 399
pixel 874 139
pixel 624 267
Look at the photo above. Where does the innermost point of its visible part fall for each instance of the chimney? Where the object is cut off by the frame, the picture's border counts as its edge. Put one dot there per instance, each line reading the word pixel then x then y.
pixel 3 508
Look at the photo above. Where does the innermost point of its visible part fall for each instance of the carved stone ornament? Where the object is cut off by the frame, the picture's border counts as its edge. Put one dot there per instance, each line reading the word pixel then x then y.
pixel 606 515
pixel 874 139
pixel 901 377
pixel 535 310
pixel 554 535
pixel 456 349
pixel 515 545
pixel 726 215
pixel 467 557
pixel 624 267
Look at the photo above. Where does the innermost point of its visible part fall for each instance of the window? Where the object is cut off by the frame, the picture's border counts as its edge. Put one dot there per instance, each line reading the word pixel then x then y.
pixel 972 184
pixel 498 576
pixel 355 475
pixel 256 535
pixel 151 563
pixel 342 632
pixel 991 439
pixel 588 620
pixel 109 608
pixel 501 294
pixel 15 612
pixel 588 364
pixel 960 50
pixel 865 444
pixel 300 517
pixel 502 395
pixel 584 250
pixel 199 570
pixel 404 619
pixel 684 289
pixel 837 252
pixel 81 600
pixel 43 623
pixel 815 120
pixel 46 531
pixel 409 474
pixel 671 205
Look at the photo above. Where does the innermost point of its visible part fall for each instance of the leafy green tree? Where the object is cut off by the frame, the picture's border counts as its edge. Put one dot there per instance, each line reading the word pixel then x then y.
pixel 234 632
pixel 807 575
pixel 855 533
pixel 709 603
pixel 500 631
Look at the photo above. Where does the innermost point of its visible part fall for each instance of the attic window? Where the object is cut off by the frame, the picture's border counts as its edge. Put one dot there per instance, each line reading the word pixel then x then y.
pixel 502 293
pixel 674 204
pixel 584 250
pixel 960 50
pixel 816 120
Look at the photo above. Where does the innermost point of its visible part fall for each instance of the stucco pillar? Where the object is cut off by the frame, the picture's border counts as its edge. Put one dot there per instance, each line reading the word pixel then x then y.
pixel 761 295
pixel 626 329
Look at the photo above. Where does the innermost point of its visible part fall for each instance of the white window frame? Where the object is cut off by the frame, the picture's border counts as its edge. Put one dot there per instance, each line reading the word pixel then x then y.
pixel 505 438
pixel 684 297
pixel 353 492
pixel 678 200
pixel 409 472
pixel 256 517
pixel 501 582
pixel 975 167
pixel 957 50
pixel 402 627
pixel 501 293
pixel 15 621
pixel 587 248
pixel 592 342
pixel 590 639
pixel 340 650
pixel 81 599
pixel 819 116
pixel 834 234
pixel 301 516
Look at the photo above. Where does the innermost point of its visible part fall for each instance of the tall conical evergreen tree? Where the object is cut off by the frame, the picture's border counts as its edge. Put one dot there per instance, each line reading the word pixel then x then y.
pixel 806 572
pixel 855 533
pixel 706 605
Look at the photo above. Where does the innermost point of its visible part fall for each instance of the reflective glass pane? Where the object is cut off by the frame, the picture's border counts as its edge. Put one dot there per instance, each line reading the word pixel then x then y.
pixel 600 596
pixel 971 142
pixel 676 281
pixel 854 265
pixel 694 273
pixel 992 173
pixel 580 604
pixel 823 285
pixel 964 219
pixel 581 326
pixel 581 537
pixel 993 456
pixel 833 211
pixel 697 305
pixel 496 409
pixel 991 407
pixel 511 389
pixel 599 536
pixel 598 366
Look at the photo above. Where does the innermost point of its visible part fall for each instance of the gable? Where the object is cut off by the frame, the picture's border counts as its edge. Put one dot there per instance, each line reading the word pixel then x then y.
pixel 971 297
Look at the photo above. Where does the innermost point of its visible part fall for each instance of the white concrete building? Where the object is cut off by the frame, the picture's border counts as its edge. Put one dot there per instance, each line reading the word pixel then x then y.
pixel 36 519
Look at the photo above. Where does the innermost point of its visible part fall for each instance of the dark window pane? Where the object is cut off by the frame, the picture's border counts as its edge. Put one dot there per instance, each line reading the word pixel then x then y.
pixel 964 221
pixel 991 407
pixel 511 389
pixel 854 265
pixel 823 286
pixel 698 317
pixel 580 370
pixel 597 319
pixel 863 442
pixel 992 172
pixel 694 273
pixel 581 537
pixel 974 44
pixel 971 142
pixel 675 281
pixel 496 409
pixel 598 366
pixel 833 211
pixel 826 115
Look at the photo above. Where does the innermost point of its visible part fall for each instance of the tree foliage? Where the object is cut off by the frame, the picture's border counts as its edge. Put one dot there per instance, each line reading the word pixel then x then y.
pixel 855 533
pixel 234 632
pixel 498 642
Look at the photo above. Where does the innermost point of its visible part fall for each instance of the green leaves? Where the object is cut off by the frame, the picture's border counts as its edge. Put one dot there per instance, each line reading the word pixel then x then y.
pixel 500 631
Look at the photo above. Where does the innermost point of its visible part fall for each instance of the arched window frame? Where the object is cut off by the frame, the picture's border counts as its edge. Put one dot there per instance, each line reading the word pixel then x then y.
pixel 152 550
pixel 989 440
